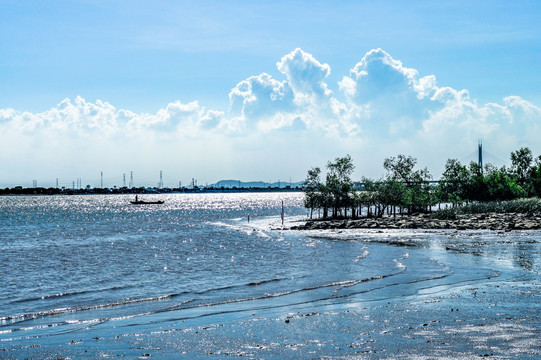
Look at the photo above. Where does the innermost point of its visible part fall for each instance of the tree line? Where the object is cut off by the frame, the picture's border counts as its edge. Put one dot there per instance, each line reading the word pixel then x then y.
pixel 405 189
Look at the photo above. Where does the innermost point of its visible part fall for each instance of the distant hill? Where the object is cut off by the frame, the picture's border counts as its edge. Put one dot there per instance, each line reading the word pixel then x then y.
pixel 228 184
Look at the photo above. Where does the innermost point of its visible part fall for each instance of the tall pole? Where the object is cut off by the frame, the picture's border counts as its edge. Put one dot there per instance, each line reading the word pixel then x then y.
pixel 480 154
pixel 102 179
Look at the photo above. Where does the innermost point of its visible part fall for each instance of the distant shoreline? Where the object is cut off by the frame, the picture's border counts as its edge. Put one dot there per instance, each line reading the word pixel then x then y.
pixel 488 221
pixel 121 191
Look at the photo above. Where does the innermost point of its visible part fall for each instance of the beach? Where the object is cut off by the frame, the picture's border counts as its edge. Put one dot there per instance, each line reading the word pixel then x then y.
pixel 204 283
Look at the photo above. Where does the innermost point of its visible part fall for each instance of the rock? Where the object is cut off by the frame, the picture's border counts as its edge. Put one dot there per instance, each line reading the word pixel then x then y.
pixel 491 221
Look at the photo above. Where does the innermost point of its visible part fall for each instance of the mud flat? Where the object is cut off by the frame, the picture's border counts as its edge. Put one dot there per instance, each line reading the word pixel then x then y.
pixel 490 221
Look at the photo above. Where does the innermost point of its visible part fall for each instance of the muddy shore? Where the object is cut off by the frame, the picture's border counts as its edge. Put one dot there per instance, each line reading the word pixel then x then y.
pixel 490 221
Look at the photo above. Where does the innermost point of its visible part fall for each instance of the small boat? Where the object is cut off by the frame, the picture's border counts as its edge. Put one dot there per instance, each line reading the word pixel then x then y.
pixel 141 202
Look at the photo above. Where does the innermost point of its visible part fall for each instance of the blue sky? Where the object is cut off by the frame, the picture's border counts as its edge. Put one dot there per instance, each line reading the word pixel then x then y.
pixel 178 86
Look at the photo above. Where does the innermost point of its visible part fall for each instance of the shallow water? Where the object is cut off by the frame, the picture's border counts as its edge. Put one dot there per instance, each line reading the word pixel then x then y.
pixel 76 268
pixel 101 257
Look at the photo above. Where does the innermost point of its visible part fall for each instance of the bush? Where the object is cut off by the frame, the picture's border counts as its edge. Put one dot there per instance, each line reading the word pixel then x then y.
pixel 522 206
pixel 444 214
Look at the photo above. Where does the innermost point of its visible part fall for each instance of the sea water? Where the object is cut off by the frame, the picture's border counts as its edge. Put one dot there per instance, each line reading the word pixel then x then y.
pixel 95 266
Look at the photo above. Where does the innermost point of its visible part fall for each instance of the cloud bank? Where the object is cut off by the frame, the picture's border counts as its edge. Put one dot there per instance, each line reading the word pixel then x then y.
pixel 274 128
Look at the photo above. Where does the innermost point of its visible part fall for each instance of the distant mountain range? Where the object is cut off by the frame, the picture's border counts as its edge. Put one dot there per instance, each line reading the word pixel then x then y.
pixel 254 184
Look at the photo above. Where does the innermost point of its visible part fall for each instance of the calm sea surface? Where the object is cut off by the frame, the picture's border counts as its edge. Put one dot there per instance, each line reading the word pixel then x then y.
pixel 70 264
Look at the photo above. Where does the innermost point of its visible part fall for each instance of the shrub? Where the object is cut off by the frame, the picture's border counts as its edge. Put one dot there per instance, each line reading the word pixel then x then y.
pixel 444 214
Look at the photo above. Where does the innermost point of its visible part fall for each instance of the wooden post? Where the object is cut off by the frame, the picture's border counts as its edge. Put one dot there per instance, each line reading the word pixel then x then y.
pixel 282 214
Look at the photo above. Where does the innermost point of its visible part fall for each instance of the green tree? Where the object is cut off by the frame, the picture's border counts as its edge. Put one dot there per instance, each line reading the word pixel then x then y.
pixel 535 178
pixel 389 194
pixel 521 166
pixel 369 197
pixel 501 184
pixel 453 183
pixel 400 169
pixel 340 183
pixel 312 187
pixel 336 193
pixel 476 189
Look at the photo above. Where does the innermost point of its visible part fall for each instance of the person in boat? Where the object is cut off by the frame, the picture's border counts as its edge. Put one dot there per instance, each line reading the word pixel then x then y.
pixel 136 198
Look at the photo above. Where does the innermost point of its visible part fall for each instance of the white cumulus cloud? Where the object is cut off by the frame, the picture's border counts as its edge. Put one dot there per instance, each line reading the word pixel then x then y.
pixel 302 100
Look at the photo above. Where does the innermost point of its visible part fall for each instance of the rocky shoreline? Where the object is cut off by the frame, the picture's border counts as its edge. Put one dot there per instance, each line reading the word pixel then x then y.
pixel 489 221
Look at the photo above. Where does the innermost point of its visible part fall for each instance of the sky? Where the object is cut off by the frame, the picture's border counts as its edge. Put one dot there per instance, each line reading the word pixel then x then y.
pixel 260 90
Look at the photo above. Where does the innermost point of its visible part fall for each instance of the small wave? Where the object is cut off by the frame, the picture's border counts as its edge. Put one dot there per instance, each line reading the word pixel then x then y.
pixel 343 284
pixel 65 310
pixel 229 287
pixel 66 294
pixel 90 322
